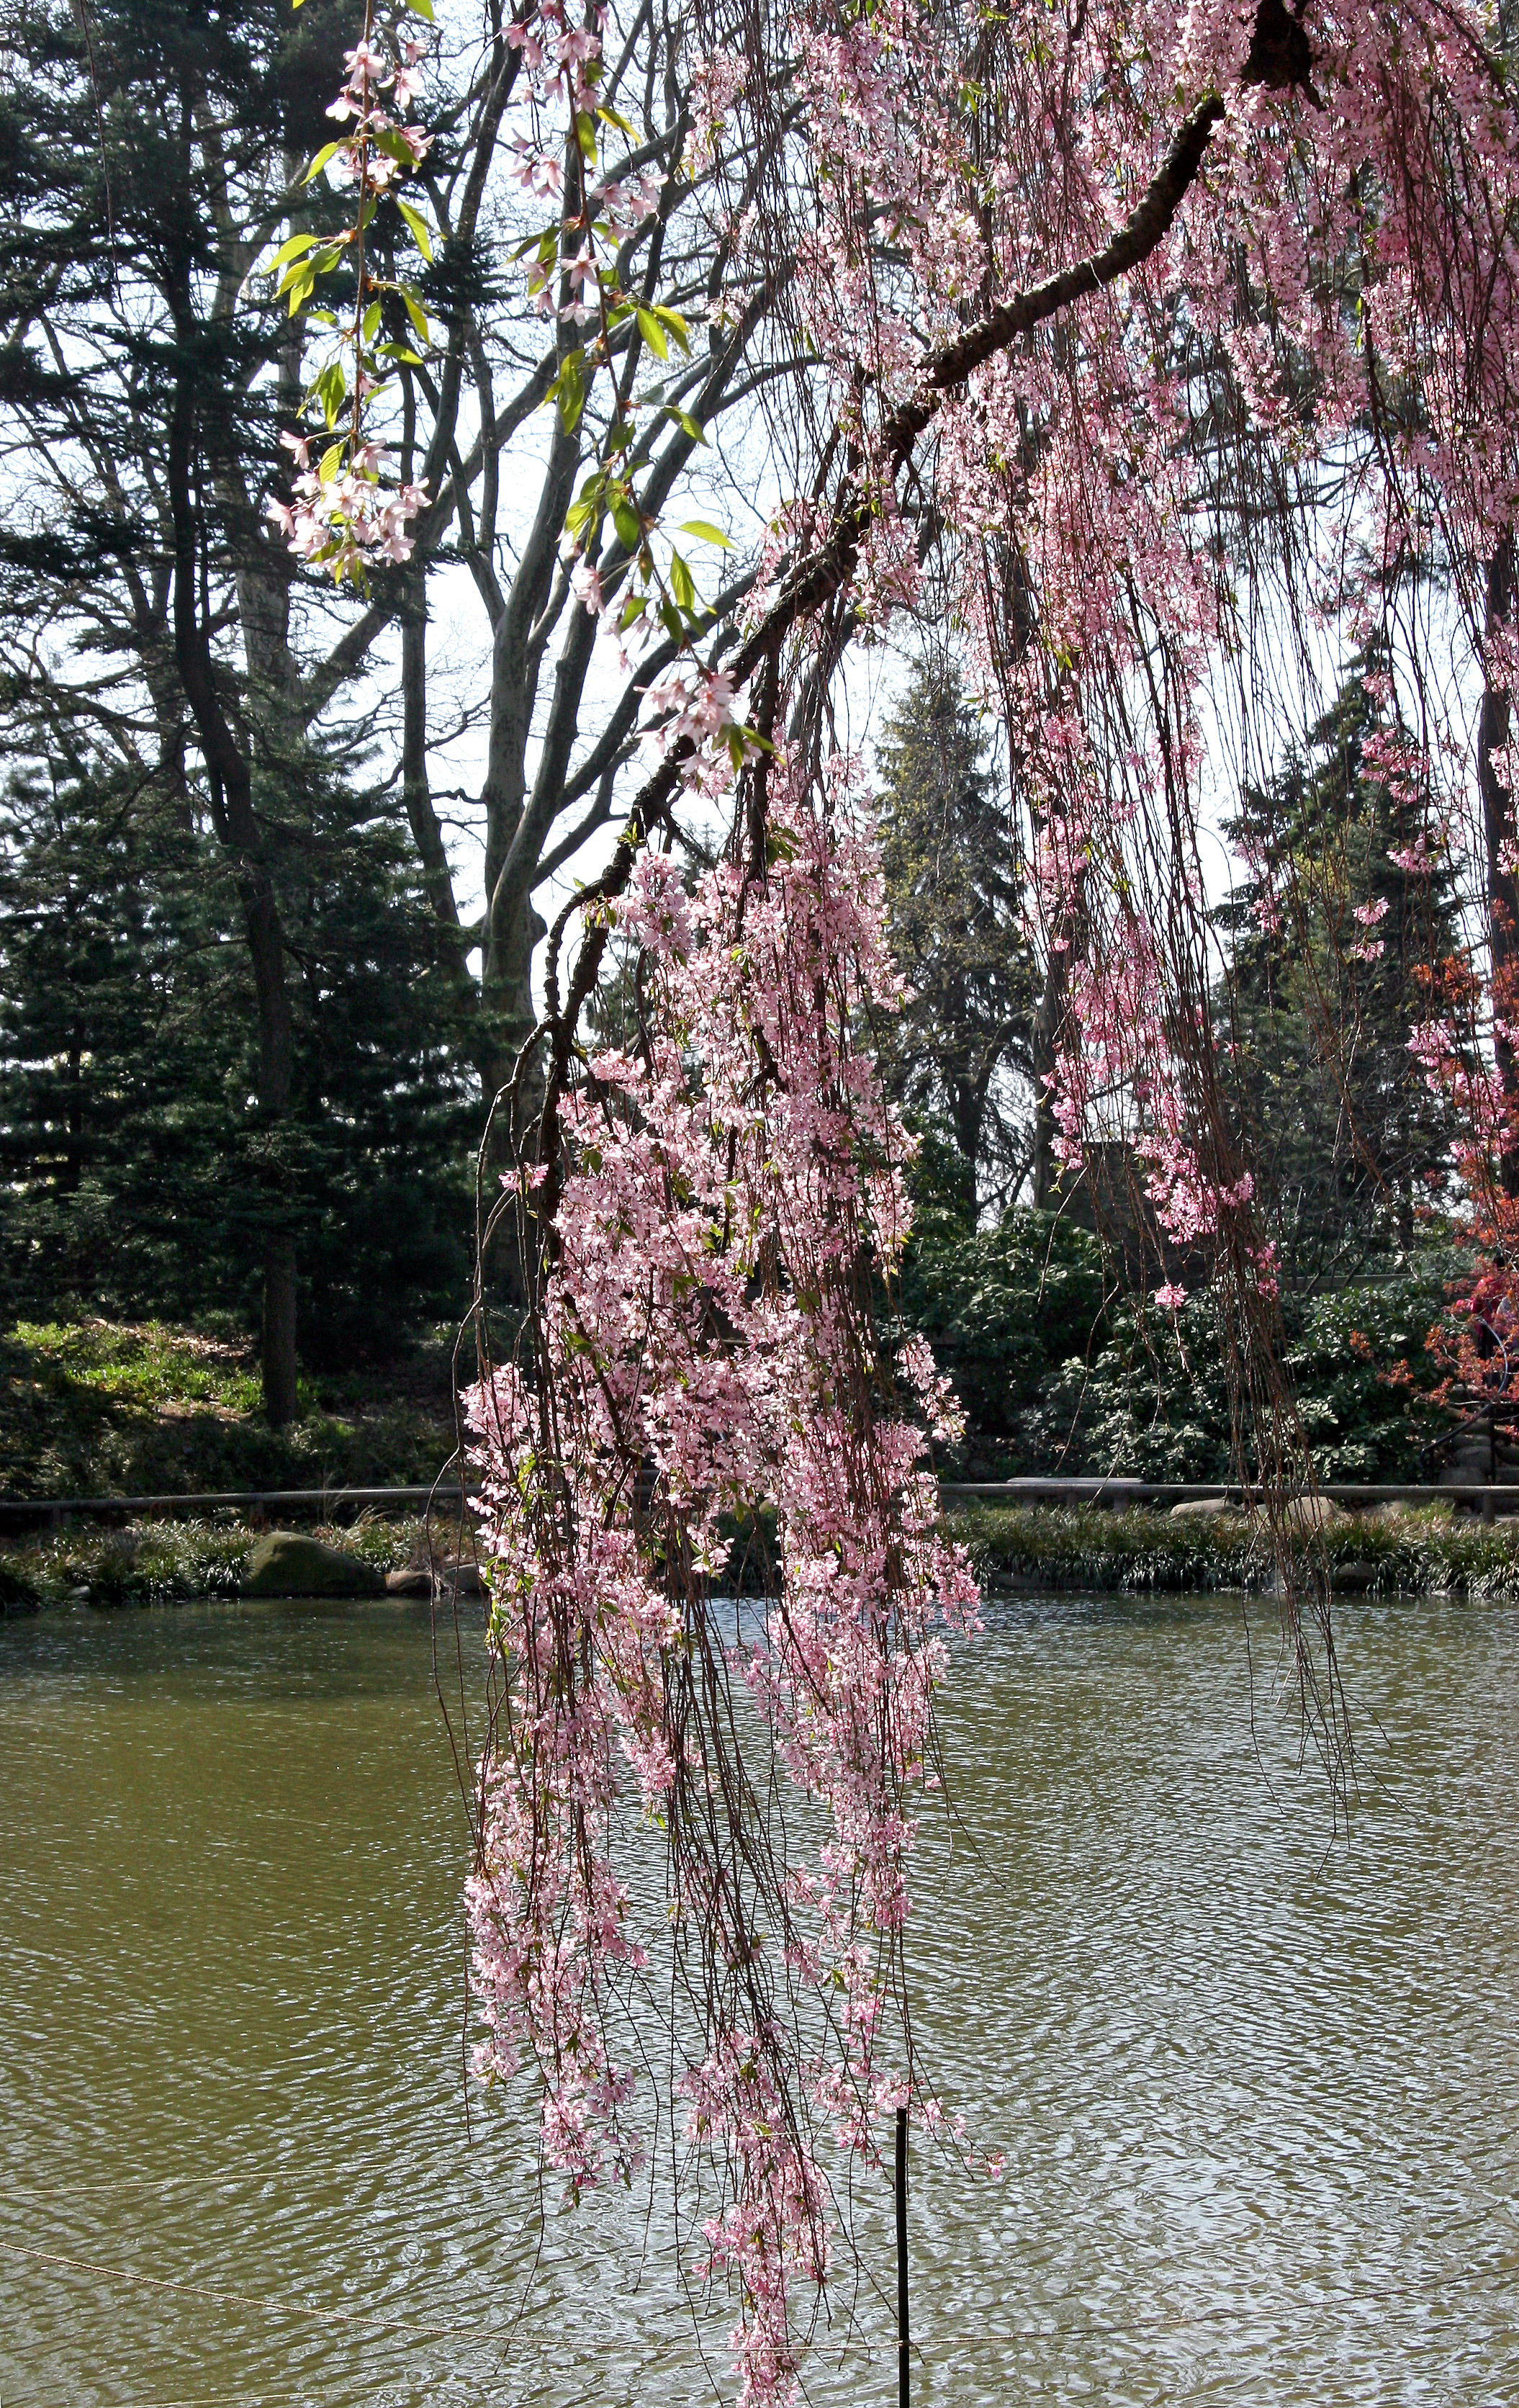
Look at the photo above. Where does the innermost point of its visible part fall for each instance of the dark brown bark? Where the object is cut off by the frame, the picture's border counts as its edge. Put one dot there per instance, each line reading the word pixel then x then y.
pixel 1047 1020
pixel 232 797
pixel 277 1355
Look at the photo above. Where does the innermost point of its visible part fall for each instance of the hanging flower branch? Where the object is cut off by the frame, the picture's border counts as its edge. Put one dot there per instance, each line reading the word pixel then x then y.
pixel 345 514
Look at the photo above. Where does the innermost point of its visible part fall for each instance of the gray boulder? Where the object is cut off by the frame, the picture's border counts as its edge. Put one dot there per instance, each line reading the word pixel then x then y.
pixel 1309 1515
pixel 289 1564
pixel 460 1579
pixel 1204 1508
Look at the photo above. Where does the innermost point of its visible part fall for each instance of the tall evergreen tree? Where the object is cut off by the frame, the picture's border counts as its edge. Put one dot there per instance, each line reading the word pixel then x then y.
pixel 958 1060
pixel 138 1172
pixel 1336 952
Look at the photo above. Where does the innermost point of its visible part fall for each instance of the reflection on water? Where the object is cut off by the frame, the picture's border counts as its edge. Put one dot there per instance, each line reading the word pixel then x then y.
pixel 1259 2104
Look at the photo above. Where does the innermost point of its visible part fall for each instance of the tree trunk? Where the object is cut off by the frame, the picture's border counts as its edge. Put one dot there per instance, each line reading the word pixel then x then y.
pixel 1047 1020
pixel 237 827
pixel 279 1352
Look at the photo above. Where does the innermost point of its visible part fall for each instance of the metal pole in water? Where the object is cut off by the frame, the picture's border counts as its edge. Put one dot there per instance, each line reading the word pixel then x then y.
pixel 902 2386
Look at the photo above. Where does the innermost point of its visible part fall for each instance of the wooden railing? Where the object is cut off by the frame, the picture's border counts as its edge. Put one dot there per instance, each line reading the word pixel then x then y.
pixel 1489 1497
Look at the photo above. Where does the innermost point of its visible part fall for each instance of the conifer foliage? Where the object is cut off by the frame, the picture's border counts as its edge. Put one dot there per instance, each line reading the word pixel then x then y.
pixel 958 1054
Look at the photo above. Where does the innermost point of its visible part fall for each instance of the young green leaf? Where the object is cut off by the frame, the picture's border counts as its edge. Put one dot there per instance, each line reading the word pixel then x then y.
pixel 328 150
pixel 682 583
pixel 419 233
pixel 676 323
pixel 654 333
pixel 708 533
pixel 568 390
pixel 294 248
pixel 687 425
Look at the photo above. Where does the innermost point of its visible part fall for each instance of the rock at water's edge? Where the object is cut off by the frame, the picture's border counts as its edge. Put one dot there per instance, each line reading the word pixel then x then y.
pixel 416 1581
pixel 289 1564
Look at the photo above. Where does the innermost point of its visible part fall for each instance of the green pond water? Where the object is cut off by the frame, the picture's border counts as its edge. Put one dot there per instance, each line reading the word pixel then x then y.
pixel 1258 2090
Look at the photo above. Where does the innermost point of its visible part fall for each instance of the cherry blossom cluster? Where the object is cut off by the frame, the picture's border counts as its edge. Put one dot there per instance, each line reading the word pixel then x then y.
pixel 378 145
pixel 345 520
pixel 1331 309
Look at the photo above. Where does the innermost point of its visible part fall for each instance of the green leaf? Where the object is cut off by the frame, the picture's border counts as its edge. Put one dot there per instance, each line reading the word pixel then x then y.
pixel 421 8
pixel 708 533
pixel 670 620
pixel 685 422
pixel 418 223
pixel 634 607
pixel 585 134
pixel 328 150
pixel 331 391
pixel 319 261
pixel 394 146
pixel 331 462
pixel 609 116
pixel 677 324
pixel 625 520
pixel 417 314
pixel 371 323
pixel 568 390
pixel 299 285
pixel 294 248
pixel 654 333
pixel 682 583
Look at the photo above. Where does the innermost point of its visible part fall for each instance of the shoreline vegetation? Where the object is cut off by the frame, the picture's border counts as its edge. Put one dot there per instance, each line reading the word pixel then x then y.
pixel 93 1406
pixel 1387 1551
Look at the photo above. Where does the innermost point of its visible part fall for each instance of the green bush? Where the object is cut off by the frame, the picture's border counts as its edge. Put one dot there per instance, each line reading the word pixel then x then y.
pixel 1055 1378
pixel 1004 1310
pixel 175 1563
pixel 1418 1553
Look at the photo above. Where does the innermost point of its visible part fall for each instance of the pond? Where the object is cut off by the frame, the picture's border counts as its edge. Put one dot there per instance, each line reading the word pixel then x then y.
pixel 1258 2094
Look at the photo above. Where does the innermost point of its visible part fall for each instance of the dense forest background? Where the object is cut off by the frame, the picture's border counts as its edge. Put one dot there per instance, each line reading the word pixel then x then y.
pixel 140 1180
pixel 252 1012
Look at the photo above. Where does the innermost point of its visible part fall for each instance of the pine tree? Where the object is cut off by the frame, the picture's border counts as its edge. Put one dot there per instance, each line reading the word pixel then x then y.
pixel 954 894
pixel 138 1172
pixel 1337 953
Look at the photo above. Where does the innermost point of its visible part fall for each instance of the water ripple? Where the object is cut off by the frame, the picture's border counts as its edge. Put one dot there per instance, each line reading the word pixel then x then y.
pixel 1259 2099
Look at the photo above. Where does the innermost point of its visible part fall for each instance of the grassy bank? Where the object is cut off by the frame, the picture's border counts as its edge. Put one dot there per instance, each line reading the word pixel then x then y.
pixel 1432 1552
pixel 172 1563
pixel 108 1408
